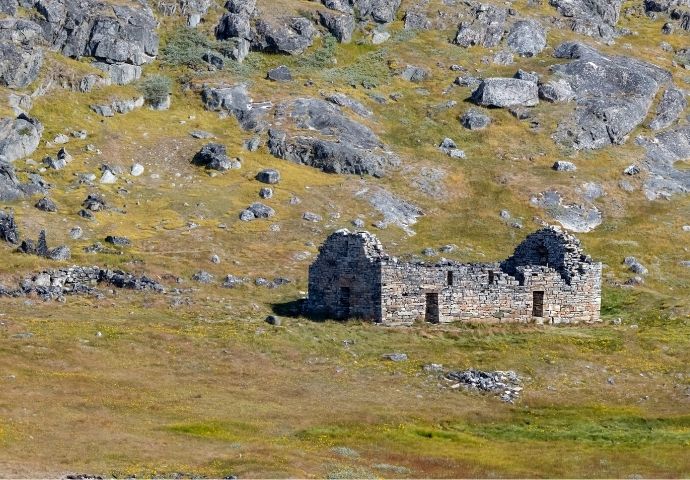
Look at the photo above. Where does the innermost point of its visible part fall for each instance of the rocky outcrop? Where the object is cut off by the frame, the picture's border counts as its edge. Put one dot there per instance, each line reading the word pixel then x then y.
pixel 236 101
pixel 21 56
pixel 596 18
pixel 340 25
pixel 506 92
pixel 380 11
pixel 317 133
pixel 527 38
pixel 664 152
pixel 113 34
pixel 613 95
pixel 11 188
pixel 678 11
pixel 235 26
pixel 573 216
pixel 672 104
pixel 485 28
pixel 118 106
pixel 19 137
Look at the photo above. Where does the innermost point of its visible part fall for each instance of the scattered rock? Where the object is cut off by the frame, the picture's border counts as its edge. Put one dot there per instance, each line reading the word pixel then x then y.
pixel 473 119
pixel 108 178
pixel 631 170
pixel 395 357
pixel 322 136
pixel 414 74
pixel 118 241
pixel 635 266
pixel 311 217
pixel 202 277
pixel 266 192
pixel 563 166
pixel 279 74
pixel 507 385
pixel 273 320
pixel 257 210
pixel 46 204
pixel 136 170
pixel 213 156
pixel 75 233
pixel 269 176
pixel 449 147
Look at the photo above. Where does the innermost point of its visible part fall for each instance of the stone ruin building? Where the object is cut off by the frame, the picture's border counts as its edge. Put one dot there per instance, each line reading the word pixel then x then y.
pixel 548 279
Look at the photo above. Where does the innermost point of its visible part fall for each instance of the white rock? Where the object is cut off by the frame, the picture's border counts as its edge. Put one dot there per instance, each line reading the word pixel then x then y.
pixel 380 37
pixel 108 178
pixel 137 169
pixel 61 139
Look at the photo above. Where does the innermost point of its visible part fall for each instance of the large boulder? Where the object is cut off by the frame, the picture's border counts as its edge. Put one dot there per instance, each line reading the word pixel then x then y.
pixel 19 137
pixel 291 36
pixel 8 228
pixel 322 136
pixel 20 55
pixel 485 28
pixel 213 156
pixel 526 38
pixel 672 104
pixel 506 92
pixel 613 95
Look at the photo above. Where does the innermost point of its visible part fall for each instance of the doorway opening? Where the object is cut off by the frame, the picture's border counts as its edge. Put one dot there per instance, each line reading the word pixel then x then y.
pixel 344 302
pixel 538 304
pixel 431 314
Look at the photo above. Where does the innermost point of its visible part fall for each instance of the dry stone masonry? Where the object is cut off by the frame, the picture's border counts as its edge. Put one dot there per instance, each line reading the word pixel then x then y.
pixel 548 279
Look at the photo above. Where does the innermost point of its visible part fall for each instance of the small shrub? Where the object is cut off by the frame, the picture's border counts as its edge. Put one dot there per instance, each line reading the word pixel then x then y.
pixel 156 89
pixel 185 48
pixel 323 56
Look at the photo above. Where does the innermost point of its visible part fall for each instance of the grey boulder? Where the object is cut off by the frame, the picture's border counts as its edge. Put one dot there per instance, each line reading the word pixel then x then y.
pixel 214 157
pixel 473 119
pixel 506 92
pixel 19 137
pixel 527 38
pixel 292 36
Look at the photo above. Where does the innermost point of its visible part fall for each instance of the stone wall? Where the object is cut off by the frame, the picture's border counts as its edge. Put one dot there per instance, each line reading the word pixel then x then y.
pixel 549 262
pixel 345 279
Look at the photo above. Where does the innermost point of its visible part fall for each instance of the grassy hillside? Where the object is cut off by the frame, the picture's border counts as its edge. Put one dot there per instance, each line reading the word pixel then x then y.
pixel 195 382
